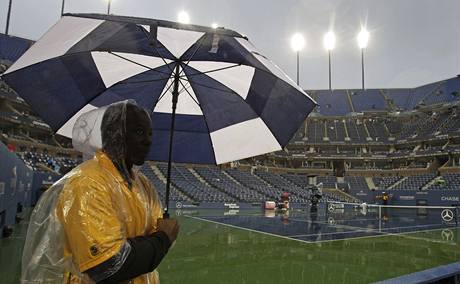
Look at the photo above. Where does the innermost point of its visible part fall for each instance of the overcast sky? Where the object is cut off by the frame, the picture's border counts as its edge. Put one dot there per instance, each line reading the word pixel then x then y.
pixel 412 42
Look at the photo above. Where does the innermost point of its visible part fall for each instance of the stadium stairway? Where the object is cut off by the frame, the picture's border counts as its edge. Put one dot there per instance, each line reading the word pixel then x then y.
pixel 430 183
pixel 57 142
pixel 350 101
pixel 174 189
pixel 387 131
pixel 231 178
pixel 158 173
pixel 368 135
pixel 347 136
pixel 195 174
pixel 389 103
pixel 325 136
pixel 398 182
pixel 370 183
pixel 261 179
pixel 345 195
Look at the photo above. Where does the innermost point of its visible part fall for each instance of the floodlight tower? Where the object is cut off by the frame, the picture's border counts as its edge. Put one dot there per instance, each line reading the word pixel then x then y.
pixel 108 7
pixel 183 17
pixel 297 44
pixel 329 44
pixel 363 39
pixel 62 7
pixel 8 17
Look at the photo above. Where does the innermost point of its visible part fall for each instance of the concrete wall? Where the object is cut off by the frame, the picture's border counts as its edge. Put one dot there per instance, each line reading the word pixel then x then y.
pixel 15 185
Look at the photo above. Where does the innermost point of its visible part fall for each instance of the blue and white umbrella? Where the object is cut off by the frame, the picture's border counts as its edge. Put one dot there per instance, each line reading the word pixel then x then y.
pixel 232 101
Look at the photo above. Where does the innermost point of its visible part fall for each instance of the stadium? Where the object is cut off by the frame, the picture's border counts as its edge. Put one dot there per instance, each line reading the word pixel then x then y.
pixel 366 190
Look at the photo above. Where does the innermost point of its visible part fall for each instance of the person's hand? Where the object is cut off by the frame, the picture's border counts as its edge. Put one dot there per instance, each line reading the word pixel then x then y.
pixel 170 227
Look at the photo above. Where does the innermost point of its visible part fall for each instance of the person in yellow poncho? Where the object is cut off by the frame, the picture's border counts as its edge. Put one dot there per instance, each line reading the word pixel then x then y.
pixel 101 223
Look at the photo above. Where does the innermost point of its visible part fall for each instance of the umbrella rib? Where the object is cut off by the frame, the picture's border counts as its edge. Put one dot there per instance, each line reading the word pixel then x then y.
pixel 164 60
pixel 137 63
pixel 190 95
pixel 142 81
pixel 167 65
pixel 164 93
pixel 156 49
pixel 196 50
pixel 213 88
pixel 191 56
pixel 201 73
pixel 214 70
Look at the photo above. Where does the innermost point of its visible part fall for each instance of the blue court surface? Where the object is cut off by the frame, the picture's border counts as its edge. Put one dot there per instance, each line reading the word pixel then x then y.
pixel 329 224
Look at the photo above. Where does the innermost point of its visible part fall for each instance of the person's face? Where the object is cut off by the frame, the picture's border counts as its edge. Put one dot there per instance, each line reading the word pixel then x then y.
pixel 138 135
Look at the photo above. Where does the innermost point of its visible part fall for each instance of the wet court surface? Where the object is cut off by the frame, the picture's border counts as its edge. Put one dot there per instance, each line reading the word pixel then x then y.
pixel 336 224
pixel 340 246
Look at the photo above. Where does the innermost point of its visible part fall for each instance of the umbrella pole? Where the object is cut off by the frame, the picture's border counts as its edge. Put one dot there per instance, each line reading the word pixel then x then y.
pixel 175 96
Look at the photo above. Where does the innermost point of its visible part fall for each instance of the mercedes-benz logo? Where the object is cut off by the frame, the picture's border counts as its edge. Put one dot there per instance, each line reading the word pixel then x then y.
pixel 331 221
pixel 447 215
pixel 178 205
pixel 331 207
pixel 447 235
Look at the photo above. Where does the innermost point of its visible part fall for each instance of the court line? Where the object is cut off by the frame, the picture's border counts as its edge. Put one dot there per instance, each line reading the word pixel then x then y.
pixel 379 233
pixel 362 229
pixel 383 232
pixel 246 229
pixel 390 235
pixel 400 234
pixel 404 235
pixel 354 229
pixel 287 237
pixel 330 233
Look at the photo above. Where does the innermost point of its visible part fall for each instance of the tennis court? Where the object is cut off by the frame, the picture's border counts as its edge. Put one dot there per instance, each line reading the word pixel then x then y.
pixel 337 221
pixel 345 244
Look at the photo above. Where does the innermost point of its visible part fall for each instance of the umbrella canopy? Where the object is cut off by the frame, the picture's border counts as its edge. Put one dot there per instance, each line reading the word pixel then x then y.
pixel 232 102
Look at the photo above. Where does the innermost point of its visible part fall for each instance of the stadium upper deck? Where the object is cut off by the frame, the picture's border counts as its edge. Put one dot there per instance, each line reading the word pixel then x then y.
pixel 345 102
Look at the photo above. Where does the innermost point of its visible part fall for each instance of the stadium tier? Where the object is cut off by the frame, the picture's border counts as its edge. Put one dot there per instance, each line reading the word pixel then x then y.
pixel 11 48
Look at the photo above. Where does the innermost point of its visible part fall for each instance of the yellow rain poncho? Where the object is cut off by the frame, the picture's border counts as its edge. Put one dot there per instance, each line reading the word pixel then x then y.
pixel 87 216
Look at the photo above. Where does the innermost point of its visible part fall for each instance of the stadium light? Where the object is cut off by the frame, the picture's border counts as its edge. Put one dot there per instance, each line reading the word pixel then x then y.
pixel 183 17
pixel 297 44
pixel 329 44
pixel 8 17
pixel 214 25
pixel 363 40
pixel 329 40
